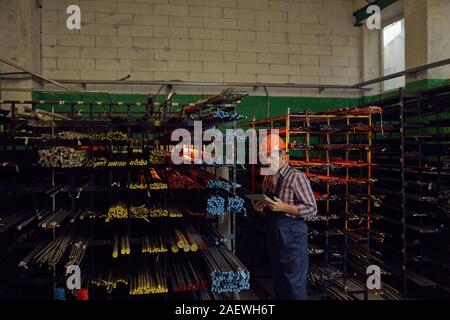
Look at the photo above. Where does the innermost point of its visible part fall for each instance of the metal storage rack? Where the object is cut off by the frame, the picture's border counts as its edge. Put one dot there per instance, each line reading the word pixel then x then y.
pixel 137 121
pixel 414 174
pixel 313 141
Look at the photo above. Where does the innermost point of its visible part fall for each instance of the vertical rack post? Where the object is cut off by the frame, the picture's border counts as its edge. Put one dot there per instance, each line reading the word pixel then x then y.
pixel 403 192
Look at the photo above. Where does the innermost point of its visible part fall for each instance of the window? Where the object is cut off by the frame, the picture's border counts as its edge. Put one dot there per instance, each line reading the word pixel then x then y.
pixel 393 40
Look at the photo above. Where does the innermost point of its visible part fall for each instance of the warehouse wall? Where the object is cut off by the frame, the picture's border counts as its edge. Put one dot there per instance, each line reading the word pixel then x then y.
pixel 20 43
pixel 298 41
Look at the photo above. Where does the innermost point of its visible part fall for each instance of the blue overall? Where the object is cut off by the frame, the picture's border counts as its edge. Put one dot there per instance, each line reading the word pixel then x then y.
pixel 288 252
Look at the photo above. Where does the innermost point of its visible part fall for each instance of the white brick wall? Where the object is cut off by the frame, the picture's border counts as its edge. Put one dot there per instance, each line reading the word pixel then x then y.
pixel 203 40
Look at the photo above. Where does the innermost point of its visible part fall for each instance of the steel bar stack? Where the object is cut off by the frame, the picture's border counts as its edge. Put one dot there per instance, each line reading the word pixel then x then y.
pixel 227 273
pixel 185 276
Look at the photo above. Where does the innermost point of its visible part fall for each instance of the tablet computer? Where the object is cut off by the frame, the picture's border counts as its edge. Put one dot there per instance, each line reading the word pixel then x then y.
pixel 255 197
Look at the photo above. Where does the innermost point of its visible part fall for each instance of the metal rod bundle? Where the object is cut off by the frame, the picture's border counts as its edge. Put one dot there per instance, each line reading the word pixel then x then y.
pixel 228 95
pixel 219 184
pixel 111 277
pixel 157 210
pixel 148 278
pixel 153 243
pixel 212 234
pixel 157 156
pixel 175 212
pixel 338 180
pixel 229 116
pixel 177 180
pixel 322 272
pixel 76 215
pixel 178 241
pixel 155 182
pixel 13 219
pixel 313 250
pixel 184 276
pixel 79 246
pixel 139 212
pixel 117 163
pixel 117 211
pixel 95 162
pixel 138 183
pixel 52 253
pixel 38 216
pixel 138 163
pixel 227 273
pixel 25 261
pixel 330 217
pixel 236 205
pixel 207 295
pixel 64 157
pixel 110 136
pixel 54 220
pixel 215 206
pixel 123 242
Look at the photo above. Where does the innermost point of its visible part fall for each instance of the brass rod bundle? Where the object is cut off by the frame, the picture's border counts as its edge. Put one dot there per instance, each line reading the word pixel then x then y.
pixel 148 278
pixel 117 211
pixel 111 278
pixel 153 243
pixel 139 212
pixel 157 210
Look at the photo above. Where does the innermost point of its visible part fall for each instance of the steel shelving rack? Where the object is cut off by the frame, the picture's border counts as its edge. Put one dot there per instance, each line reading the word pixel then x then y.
pixel 322 144
pixel 414 174
pixel 133 119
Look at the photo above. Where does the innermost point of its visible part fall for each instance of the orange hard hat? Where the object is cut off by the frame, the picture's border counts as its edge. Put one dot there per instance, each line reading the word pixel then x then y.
pixel 272 142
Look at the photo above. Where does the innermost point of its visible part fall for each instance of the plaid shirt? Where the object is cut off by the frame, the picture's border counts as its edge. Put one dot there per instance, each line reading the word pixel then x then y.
pixel 295 189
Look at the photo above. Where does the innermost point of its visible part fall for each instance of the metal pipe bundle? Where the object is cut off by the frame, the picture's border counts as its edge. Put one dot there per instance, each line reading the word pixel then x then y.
pixel 227 273
pixel 63 157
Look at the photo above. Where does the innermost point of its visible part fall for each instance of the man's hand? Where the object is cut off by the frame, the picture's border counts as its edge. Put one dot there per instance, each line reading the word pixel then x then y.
pixel 275 206
pixel 258 206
